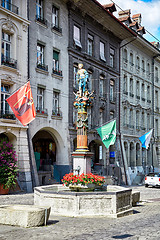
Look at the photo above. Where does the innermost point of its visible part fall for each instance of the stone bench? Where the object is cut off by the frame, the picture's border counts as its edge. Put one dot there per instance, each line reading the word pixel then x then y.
pixel 24 215
pixel 135 198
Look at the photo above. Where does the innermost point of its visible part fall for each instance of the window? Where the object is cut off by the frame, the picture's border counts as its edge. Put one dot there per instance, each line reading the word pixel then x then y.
pixel 75 70
pixel 40 54
pixel 112 55
pixel 143 66
pixel 156 98
pixel 56 102
pixel 55 16
pixel 148 121
pixel 125 56
pixel 148 93
pixel 137 120
pixel 55 61
pixel 40 99
pixel 137 89
pixel 125 85
pixel 90 45
pixel 6 46
pixel 102 51
pixel 39 9
pixel 125 117
pixel 131 118
pixel 156 74
pixel 100 117
pixel 111 93
pixel 77 36
pixel 131 59
pixel 156 128
pixel 90 73
pixel 148 68
pixel 142 123
pixel 101 86
pixel 137 63
pixel 143 93
pixel 40 58
pixel 6 4
pixel 111 115
pixel 131 87
pixel 5 92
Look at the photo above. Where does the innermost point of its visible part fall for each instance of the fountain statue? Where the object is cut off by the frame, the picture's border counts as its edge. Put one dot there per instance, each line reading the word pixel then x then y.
pixel 83 100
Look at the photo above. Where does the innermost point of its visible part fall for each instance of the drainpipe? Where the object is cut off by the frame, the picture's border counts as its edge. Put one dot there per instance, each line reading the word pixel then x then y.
pixel 152 108
pixel 153 96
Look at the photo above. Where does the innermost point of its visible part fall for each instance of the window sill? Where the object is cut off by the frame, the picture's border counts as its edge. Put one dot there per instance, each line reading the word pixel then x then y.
pixel 56 117
pixel 10 69
pixel 8 120
pixel 41 71
pixel 41 24
pixel 57 76
pixel 43 115
pixel 56 32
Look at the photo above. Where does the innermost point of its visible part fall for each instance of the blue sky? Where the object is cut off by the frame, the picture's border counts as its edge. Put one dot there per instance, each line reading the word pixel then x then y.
pixel 150 11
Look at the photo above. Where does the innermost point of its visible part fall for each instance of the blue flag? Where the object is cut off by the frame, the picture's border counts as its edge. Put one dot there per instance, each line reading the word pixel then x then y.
pixel 145 139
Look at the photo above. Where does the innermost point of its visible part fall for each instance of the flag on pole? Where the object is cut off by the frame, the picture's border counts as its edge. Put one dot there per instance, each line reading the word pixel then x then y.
pixel 22 105
pixel 145 139
pixel 108 133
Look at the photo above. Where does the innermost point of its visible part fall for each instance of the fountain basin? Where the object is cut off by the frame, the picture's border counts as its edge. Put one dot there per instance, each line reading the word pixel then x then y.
pixel 115 202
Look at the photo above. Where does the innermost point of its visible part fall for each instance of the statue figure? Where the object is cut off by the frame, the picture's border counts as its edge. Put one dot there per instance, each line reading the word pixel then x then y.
pixel 82 78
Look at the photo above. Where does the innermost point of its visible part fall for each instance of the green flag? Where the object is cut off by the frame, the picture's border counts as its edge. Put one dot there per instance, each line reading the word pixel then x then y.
pixel 108 133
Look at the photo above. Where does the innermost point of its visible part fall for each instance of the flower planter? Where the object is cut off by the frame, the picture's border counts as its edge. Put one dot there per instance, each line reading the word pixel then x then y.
pixel 2 190
pixel 80 188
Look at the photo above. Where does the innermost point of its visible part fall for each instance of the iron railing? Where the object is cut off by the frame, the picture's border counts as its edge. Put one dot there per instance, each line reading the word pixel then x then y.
pixel 11 7
pixel 7 115
pixel 56 28
pixel 57 72
pixel 41 19
pixel 10 62
pixel 42 66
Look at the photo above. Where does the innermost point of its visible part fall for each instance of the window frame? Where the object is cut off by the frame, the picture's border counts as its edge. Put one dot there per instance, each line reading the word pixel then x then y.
pixel 77 40
pixel 40 95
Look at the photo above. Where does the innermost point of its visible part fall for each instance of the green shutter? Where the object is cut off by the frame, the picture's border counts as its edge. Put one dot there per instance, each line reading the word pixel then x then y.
pixel 55 55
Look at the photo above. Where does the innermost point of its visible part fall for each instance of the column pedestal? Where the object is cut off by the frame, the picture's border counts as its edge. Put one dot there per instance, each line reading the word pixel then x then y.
pixel 82 162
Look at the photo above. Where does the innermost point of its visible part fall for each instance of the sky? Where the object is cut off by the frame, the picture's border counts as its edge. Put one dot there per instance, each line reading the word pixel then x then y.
pixel 150 12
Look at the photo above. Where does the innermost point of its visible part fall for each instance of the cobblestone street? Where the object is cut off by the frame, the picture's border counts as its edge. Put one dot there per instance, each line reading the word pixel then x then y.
pixel 143 224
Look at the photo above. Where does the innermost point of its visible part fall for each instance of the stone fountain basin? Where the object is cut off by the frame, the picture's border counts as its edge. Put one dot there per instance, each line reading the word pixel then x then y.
pixel 115 202
pixel 24 215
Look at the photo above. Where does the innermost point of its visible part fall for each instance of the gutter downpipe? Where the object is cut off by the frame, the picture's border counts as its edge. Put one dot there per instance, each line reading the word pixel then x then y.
pixel 153 95
pixel 120 134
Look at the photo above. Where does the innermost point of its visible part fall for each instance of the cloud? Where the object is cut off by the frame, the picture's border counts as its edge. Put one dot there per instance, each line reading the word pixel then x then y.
pixel 149 11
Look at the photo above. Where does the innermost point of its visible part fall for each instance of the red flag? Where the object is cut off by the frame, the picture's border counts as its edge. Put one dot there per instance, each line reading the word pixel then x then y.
pixel 21 103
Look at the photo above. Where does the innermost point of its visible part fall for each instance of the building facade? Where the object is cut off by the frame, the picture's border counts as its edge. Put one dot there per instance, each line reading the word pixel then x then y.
pixel 139 101
pixel 13 74
pixel 94 40
pixel 48 73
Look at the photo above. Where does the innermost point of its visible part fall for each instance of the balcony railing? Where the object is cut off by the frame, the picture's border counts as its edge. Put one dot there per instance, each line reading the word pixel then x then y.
pixel 131 126
pixel 131 95
pixel 56 28
pixel 138 127
pixel 125 92
pixel 42 66
pixel 143 99
pixel 10 62
pixel 41 111
pixel 148 100
pixel 138 97
pixel 57 72
pixel 9 6
pixel 56 112
pixel 7 115
pixel 143 128
pixel 41 19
